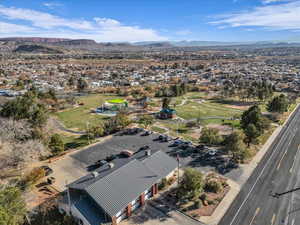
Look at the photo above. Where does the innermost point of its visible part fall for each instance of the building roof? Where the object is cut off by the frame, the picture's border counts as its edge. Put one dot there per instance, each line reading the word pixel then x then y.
pixel 113 189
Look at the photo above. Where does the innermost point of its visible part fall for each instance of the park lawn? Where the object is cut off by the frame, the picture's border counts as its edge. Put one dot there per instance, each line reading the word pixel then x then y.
pixel 79 117
pixel 74 142
pixel 157 129
pixel 195 95
pixel 206 110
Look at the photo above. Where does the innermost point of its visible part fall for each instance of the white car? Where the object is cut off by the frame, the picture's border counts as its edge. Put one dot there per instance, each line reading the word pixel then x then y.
pixel 212 152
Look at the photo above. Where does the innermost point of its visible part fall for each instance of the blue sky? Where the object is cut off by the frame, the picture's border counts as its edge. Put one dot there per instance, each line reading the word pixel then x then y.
pixel 152 20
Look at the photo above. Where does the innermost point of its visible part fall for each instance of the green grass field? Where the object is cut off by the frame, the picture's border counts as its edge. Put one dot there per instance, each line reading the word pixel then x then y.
pixel 78 117
pixel 194 110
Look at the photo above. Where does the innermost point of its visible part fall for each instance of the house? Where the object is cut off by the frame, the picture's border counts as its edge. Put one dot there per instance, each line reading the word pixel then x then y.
pixel 116 189
pixel 167 113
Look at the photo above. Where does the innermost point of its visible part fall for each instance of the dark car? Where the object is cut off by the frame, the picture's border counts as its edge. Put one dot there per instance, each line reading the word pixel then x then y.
pixel 165 139
pixel 101 162
pixel 159 138
pixel 143 148
pixel 200 147
pixel 47 170
pixel 110 158
pixel 232 165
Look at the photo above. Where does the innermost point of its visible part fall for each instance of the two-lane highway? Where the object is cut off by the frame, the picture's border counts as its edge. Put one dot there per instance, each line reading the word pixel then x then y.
pixel 278 171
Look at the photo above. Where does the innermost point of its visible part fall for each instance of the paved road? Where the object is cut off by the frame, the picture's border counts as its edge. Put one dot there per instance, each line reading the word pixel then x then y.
pixel 279 171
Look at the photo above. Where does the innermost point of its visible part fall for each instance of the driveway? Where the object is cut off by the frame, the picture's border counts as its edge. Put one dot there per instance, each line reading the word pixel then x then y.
pixel 153 216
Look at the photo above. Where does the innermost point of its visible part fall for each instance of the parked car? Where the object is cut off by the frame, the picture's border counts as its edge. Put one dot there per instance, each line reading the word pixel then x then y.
pixel 110 158
pixel 126 153
pixel 146 133
pixel 212 152
pixel 143 148
pixel 200 147
pixel 101 162
pixel 159 138
pixel 47 170
pixel 166 139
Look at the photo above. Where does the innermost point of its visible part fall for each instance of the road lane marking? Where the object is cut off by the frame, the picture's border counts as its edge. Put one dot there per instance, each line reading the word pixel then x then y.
pixel 279 164
pixel 255 214
pixel 283 137
pixel 293 222
pixel 281 160
pixel 291 170
pixel 273 219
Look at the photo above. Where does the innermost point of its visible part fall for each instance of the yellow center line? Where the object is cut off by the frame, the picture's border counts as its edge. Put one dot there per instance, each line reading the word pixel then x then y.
pixel 273 219
pixel 255 214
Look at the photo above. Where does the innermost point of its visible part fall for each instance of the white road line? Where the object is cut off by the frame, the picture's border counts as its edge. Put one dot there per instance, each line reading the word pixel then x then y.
pixel 293 222
pixel 255 214
pixel 276 149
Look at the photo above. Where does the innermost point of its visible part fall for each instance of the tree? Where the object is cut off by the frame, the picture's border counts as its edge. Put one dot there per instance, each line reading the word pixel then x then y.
pixel 96 131
pixel 82 84
pixel 146 121
pixel 254 116
pixel 27 107
pixel 192 184
pixel 12 206
pixel 165 103
pixel 210 136
pixel 278 104
pixel 234 143
pixel 251 133
pixel 56 144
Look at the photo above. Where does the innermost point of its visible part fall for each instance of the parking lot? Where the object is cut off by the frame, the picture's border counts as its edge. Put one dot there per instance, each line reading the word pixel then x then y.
pixel 205 159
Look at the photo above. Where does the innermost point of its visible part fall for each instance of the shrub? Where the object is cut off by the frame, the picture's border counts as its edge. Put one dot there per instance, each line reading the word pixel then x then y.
pixel 203 197
pixel 56 144
pixel 191 124
pixel 214 186
pixel 198 204
pixel 32 177
pixel 171 180
pixel 163 184
pixel 210 136
pixel 210 202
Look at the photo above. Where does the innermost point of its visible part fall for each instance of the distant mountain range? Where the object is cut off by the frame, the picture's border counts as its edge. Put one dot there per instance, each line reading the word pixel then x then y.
pixel 64 45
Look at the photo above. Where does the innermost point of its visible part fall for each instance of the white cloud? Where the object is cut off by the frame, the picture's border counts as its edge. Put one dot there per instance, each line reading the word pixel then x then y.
pixel 7 28
pixel 183 32
pixel 99 29
pixel 41 19
pixel 284 16
pixel 52 5
pixel 276 1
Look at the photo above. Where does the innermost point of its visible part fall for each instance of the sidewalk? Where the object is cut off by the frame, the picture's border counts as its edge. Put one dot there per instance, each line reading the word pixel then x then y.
pixel 235 187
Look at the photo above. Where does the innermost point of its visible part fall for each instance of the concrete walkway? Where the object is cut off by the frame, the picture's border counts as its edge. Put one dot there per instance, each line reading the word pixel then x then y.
pixel 235 188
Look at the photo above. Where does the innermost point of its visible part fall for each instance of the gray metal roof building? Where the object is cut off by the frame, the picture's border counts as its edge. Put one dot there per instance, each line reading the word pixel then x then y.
pixel 113 188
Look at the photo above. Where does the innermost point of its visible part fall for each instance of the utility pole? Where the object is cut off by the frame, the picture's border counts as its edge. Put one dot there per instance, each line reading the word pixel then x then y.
pixel 178 169
pixel 88 132
pixel 69 198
